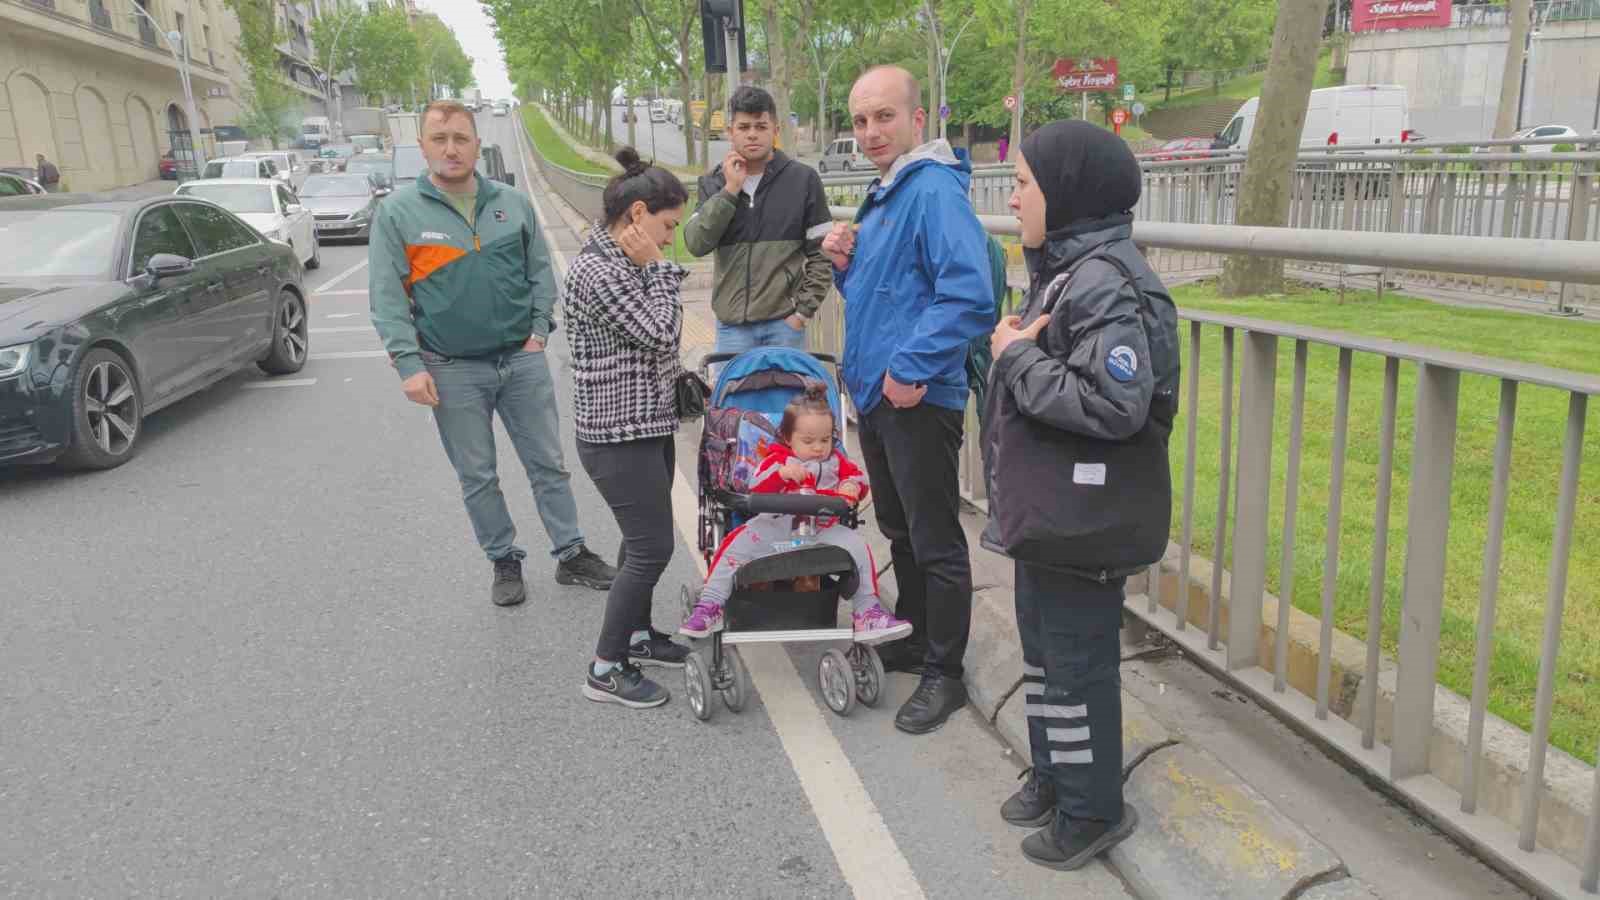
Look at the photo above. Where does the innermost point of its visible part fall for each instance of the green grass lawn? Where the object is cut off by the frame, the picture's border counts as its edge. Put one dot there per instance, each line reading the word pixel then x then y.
pixel 1241 88
pixel 552 147
pixel 1530 518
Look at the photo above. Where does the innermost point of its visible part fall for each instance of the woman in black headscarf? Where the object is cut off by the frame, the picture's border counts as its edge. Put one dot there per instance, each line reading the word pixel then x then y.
pixel 1084 389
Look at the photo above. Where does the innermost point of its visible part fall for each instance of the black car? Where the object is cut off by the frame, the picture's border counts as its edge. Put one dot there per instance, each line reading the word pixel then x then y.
pixel 111 309
pixel 492 165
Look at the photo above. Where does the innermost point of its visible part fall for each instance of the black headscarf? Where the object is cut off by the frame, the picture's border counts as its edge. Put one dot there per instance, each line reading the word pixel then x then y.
pixel 1085 172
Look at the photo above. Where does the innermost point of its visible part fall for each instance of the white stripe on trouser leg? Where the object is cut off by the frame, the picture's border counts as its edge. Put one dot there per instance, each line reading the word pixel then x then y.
pixel 1032 670
pixel 1054 711
pixel 1072 757
pixel 1031 690
pixel 1067 735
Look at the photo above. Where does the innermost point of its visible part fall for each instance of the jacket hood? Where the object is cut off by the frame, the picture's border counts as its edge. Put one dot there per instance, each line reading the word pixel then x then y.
pixel 933 153
pixel 1064 246
pixel 1084 172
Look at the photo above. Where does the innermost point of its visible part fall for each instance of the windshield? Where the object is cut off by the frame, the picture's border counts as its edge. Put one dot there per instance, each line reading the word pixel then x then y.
pixel 56 243
pixel 335 186
pixel 367 143
pixel 239 198
pixel 369 164
pixel 243 168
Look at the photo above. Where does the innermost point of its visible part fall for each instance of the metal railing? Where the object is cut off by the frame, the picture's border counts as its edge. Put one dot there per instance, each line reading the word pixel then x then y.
pixel 1528 831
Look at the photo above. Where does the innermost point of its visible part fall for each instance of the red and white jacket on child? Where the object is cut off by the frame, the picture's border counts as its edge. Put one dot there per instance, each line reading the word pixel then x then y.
pixel 823 476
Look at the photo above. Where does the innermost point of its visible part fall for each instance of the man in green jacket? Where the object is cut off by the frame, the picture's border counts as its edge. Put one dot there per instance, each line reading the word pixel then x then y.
pixel 462 291
pixel 765 216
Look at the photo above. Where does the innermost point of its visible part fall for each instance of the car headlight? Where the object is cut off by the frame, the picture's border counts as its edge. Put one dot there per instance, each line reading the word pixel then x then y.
pixel 14 359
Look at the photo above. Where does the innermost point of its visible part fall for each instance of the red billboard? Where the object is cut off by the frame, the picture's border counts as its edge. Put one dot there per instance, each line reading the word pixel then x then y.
pixel 1080 75
pixel 1375 15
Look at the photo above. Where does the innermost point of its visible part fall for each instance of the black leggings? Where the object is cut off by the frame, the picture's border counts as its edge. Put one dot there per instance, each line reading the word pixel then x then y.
pixel 635 478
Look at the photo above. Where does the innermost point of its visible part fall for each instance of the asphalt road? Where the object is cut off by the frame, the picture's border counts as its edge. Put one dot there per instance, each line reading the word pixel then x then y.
pixel 664 142
pixel 259 659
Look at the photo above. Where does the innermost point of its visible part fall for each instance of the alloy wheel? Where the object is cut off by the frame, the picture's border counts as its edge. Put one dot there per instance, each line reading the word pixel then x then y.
pixel 112 407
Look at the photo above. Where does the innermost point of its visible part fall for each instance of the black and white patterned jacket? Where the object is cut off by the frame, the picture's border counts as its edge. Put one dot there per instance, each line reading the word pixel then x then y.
pixel 625 326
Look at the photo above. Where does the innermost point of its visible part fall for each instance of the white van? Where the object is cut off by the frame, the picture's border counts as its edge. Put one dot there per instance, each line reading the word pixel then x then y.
pixel 316 131
pixel 1350 116
pixel 842 154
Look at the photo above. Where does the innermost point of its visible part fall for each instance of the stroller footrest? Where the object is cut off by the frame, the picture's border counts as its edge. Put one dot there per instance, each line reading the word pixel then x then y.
pixel 794 636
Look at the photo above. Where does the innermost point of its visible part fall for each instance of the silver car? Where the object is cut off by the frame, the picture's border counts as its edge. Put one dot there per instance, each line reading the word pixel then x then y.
pixel 342 205
pixel 842 155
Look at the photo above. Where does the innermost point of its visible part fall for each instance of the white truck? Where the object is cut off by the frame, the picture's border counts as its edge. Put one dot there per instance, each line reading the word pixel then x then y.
pixel 316 131
pixel 362 120
pixel 403 129
pixel 1352 116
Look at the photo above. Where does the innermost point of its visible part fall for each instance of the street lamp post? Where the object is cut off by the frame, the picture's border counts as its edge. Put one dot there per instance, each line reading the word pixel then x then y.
pixel 335 101
pixel 174 43
pixel 944 76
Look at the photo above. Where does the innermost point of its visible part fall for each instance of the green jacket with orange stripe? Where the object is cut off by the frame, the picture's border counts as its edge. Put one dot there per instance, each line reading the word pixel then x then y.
pixel 440 285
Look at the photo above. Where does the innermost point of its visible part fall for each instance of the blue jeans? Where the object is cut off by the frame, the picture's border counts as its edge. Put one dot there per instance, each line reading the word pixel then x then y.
pixel 517 385
pixel 771 333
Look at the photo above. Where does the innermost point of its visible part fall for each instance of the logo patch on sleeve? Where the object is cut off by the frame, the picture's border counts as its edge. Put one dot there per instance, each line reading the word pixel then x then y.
pixel 1122 363
pixel 499 215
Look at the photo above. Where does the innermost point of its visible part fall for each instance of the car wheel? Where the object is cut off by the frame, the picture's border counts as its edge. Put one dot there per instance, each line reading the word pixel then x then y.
pixel 107 411
pixel 822 168
pixel 290 339
pixel 316 254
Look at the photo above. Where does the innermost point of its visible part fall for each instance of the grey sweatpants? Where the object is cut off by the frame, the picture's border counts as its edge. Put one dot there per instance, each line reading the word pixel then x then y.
pixel 756 539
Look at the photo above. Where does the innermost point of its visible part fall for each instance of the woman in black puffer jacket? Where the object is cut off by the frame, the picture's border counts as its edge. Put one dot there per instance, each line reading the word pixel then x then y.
pixel 1083 392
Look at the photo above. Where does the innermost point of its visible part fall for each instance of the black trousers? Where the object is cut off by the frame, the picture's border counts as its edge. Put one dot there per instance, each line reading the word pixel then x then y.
pixel 1072 687
pixel 912 457
pixel 635 478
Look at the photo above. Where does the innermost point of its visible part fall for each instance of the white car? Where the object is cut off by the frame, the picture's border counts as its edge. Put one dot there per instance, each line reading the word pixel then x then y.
pixel 291 169
pixel 1568 135
pixel 268 207
pixel 501 111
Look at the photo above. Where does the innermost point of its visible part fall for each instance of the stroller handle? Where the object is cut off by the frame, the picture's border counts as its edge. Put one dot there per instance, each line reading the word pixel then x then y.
pixel 711 359
pixel 790 504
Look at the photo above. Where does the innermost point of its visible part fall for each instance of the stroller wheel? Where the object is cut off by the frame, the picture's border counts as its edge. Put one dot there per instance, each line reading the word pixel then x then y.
pixel 837 682
pixel 738 692
pixel 868 667
pixel 697 685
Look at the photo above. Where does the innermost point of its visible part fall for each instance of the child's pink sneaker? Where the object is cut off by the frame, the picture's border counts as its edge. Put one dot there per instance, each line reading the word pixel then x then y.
pixel 877 625
pixel 706 618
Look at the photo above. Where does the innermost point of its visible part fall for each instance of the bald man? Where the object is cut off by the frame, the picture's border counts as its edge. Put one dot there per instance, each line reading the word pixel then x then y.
pixel 914 272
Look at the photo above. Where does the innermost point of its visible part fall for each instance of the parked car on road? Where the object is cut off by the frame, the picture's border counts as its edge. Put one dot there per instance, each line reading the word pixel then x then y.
pixel 842 155
pixel 1182 148
pixel 19 186
pixel 268 207
pixel 240 167
pixel 291 167
pixel 168 167
pixel 343 205
pixel 367 143
pixel 492 164
pixel 377 167
pixel 330 159
pixel 112 309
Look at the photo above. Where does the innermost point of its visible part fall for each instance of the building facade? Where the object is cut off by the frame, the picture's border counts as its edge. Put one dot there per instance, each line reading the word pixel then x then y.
pixel 94 86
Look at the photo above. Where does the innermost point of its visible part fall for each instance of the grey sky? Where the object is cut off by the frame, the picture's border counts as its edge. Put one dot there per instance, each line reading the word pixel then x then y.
pixel 476 34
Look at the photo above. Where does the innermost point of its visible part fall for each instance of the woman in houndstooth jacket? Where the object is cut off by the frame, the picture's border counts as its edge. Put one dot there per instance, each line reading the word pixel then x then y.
pixel 624 322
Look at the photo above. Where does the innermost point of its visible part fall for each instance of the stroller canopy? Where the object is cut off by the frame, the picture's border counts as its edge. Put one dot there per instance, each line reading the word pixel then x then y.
pixel 765 379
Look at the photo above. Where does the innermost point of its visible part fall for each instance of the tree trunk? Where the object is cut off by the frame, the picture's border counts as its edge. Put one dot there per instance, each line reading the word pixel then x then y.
pixel 932 105
pixel 685 95
pixel 633 139
pixel 1264 189
pixel 1019 77
pixel 711 106
pixel 778 59
pixel 1518 14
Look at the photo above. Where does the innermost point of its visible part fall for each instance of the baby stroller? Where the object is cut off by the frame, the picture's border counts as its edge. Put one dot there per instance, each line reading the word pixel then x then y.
pixel 789 596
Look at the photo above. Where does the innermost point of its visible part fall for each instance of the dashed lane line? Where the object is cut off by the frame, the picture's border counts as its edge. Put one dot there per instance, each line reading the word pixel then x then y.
pixel 322 289
pixel 278 383
pixel 350 354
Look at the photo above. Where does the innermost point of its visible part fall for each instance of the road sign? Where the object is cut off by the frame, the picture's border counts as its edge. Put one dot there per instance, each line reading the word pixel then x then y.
pixel 1138 109
pixel 1119 117
pixel 1085 75
pixel 1127 92
pixel 1011 102
pixel 944 112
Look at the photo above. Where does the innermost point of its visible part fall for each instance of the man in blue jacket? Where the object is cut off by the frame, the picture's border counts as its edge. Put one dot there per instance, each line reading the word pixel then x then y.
pixel 914 273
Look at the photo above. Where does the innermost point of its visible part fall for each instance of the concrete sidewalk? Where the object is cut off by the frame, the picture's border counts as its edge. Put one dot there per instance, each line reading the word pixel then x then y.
pixel 1298 828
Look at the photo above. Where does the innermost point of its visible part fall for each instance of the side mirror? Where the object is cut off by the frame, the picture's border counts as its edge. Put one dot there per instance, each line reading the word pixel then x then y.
pixel 383 192
pixel 167 265
pixel 294 209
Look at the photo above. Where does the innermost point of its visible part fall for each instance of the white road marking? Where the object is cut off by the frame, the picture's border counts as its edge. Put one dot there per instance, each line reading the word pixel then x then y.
pixel 278 383
pixel 867 854
pixel 323 287
pixel 341 315
pixel 351 292
pixel 342 329
pixel 526 154
pixel 350 354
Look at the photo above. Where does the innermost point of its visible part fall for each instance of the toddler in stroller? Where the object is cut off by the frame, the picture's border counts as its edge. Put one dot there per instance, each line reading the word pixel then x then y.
pixel 805 459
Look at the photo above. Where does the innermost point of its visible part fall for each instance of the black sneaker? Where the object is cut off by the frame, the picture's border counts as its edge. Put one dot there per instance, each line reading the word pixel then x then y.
pixel 936 699
pixel 508 589
pixel 658 650
pixel 1034 804
pixel 1068 844
pixel 586 569
pixel 625 685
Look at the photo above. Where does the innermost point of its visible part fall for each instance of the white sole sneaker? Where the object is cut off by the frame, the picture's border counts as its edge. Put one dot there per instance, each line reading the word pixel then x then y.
pixel 600 696
pixel 883 635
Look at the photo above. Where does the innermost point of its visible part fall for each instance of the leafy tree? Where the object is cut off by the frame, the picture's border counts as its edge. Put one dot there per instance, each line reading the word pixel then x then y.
pixel 268 102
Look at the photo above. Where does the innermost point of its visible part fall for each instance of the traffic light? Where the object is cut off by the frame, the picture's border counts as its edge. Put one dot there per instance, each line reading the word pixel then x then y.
pixel 712 14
